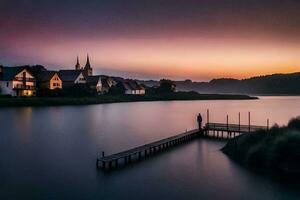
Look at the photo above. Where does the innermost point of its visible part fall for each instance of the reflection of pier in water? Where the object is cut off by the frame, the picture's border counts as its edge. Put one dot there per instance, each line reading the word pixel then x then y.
pixel 210 130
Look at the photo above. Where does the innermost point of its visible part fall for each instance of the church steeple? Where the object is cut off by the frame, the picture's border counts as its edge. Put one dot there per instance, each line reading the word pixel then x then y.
pixel 77 66
pixel 88 69
pixel 87 65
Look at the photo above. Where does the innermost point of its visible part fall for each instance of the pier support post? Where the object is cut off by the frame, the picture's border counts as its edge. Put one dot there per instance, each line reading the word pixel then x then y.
pixel 227 122
pixel 249 121
pixel 207 116
pixel 239 121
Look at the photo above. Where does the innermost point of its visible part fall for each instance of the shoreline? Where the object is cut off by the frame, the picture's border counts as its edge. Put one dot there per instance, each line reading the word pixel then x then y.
pixel 105 99
pixel 273 151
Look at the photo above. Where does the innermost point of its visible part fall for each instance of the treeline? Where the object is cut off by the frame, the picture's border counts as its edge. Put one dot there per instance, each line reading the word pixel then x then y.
pixel 276 84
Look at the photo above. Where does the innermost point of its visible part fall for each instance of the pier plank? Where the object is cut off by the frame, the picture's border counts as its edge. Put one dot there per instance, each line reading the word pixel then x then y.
pixel 147 146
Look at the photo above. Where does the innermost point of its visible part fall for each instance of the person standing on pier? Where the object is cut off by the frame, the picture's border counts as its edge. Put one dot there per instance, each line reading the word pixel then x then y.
pixel 199 120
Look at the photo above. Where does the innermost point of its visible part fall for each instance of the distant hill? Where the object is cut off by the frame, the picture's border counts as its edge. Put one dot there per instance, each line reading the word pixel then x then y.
pixel 275 84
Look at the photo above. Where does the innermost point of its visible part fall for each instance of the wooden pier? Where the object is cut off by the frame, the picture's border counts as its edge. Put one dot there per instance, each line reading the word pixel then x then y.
pixel 227 131
pixel 210 130
pixel 138 153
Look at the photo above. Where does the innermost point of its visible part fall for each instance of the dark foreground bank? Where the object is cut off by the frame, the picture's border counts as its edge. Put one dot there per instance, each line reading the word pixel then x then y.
pixel 56 101
pixel 275 150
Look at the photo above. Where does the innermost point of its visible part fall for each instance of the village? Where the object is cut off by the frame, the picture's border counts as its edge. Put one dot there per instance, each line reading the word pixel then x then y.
pixel 23 81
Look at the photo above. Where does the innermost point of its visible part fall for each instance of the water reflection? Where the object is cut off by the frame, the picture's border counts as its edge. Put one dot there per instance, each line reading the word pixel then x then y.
pixel 49 153
pixel 22 124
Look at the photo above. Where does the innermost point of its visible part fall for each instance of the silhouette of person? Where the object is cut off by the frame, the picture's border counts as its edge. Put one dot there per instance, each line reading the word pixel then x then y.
pixel 199 120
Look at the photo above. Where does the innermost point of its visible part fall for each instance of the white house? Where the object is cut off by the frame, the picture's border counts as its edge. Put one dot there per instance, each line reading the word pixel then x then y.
pixel 132 87
pixel 101 84
pixel 17 81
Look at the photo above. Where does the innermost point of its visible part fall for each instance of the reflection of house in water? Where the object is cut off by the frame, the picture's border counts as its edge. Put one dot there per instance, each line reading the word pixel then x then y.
pixel 25 122
pixel 17 81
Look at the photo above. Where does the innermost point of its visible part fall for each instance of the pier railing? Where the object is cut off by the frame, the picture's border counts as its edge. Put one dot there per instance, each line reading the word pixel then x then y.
pixel 233 127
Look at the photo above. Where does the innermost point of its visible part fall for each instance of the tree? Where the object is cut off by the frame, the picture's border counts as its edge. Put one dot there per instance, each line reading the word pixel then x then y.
pixel 166 86
pixel 78 90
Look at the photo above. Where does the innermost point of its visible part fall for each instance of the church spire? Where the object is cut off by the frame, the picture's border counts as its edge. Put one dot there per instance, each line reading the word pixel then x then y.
pixel 88 69
pixel 77 66
pixel 88 65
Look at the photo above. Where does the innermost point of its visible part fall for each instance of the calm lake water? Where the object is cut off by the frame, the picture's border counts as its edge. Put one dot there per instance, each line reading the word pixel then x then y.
pixel 50 153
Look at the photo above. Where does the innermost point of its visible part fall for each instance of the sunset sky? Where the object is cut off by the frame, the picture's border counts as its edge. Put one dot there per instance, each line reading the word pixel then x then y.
pixel 151 39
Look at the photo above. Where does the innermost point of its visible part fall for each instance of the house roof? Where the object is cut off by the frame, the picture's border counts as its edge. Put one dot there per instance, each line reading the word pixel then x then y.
pixel 92 79
pixel 118 79
pixel 9 73
pixel 131 85
pixel 69 75
pixel 45 76
pixel 35 69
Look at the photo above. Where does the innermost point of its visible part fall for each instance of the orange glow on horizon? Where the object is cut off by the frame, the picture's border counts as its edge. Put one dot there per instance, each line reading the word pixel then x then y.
pixel 193 58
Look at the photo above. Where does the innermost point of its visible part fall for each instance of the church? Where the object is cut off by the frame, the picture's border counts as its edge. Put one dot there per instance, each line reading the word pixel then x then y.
pixel 87 69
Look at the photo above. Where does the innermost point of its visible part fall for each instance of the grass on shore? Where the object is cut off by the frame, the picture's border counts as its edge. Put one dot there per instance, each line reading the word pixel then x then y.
pixel 56 101
pixel 277 149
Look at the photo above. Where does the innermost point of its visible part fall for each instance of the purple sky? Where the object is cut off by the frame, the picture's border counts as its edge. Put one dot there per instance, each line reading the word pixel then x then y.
pixel 198 39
